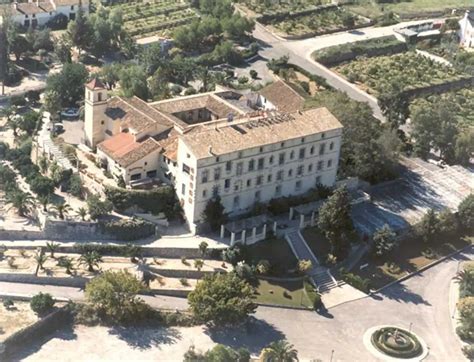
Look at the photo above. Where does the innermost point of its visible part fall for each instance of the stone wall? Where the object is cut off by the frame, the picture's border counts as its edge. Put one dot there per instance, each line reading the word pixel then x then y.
pixel 441 88
pixel 31 334
pixel 78 282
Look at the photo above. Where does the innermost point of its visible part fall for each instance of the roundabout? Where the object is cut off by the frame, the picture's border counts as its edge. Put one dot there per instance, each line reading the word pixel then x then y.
pixel 391 343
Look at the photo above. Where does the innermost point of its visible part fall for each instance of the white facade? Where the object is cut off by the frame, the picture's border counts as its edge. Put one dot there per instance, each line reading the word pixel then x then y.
pixel 466 30
pixel 243 178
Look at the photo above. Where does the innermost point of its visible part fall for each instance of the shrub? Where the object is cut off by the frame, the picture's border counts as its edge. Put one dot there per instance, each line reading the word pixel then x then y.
pixel 245 271
pixel 98 208
pixel 7 303
pixel 356 281
pixel 304 266
pixel 469 351
pixel 253 74
pixel 127 250
pixel 184 282
pixel 128 229
pixel 42 304
pixel 263 267
pixel 466 212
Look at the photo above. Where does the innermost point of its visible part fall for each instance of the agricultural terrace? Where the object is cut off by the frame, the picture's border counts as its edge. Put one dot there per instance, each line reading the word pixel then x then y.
pixel 155 17
pixel 321 21
pixel 269 7
pixel 408 69
pixel 406 9
pixel 461 101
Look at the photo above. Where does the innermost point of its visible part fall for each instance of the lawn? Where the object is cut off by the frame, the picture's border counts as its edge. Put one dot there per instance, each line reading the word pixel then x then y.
pixel 318 244
pixel 408 69
pixel 412 255
pixel 408 9
pixel 287 293
pixel 276 251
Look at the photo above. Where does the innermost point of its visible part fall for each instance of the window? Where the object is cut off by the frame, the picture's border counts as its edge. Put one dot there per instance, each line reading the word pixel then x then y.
pixel 298 185
pixel 188 155
pixel 240 167
pixel 259 180
pixel 281 158
pixel 290 173
pixel 302 140
pixel 217 159
pixel 251 165
pixel 320 165
pixel 204 194
pixel 311 150
pixel 261 149
pixel 186 168
pixel 331 146
pixel 299 170
pixel 322 148
pixel 282 144
pixel 278 190
pixel 270 160
pixel 310 167
pixel 146 163
pixel 204 176
pixel 269 178
pixel 102 122
pixel 227 183
pixel 228 166
pixel 151 174
pixel 329 163
pixel 99 97
pixel 302 153
pixel 280 175
pixel 249 182
pixel 136 176
pixel 217 173
pixel 261 163
pixel 183 189
pixel 236 201
pixel 323 135
pixel 318 180
pixel 257 195
pixel 72 7
pixel 292 155
pixel 240 154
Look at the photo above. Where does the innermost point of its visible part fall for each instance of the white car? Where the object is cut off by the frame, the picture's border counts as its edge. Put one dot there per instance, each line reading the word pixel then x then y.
pixel 70 112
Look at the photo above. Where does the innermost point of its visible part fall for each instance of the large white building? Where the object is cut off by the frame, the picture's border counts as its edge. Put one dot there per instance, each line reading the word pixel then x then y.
pixel 38 13
pixel 466 30
pixel 247 148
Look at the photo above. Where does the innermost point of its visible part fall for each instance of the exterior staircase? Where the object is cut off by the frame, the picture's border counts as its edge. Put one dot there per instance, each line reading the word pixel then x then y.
pixel 320 275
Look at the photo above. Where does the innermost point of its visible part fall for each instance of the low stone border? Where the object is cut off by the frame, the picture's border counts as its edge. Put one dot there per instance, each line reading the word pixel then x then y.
pixel 280 306
pixel 422 269
pixel 368 344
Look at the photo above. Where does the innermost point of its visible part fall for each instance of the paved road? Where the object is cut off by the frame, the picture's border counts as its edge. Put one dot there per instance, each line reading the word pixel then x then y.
pixel 300 52
pixel 77 294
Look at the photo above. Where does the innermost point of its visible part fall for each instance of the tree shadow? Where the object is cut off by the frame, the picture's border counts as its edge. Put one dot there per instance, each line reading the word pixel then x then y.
pixel 324 312
pixel 32 346
pixel 400 293
pixel 254 335
pixel 145 338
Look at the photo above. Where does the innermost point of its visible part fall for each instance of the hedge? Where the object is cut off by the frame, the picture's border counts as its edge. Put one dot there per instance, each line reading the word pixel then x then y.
pixel 369 48
pixel 128 250
pixel 128 229
pixel 161 199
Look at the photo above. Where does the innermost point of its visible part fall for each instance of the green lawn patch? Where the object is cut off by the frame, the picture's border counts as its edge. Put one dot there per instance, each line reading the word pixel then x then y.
pixel 276 251
pixel 285 293
pixel 412 255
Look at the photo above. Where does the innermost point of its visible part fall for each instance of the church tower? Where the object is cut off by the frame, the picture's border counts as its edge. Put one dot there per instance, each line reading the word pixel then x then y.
pixel 94 113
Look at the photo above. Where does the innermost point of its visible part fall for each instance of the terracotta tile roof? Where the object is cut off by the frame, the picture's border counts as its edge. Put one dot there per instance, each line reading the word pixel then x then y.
pixel 170 146
pixel 137 115
pixel 71 2
pixel 283 96
pixel 32 8
pixel 125 150
pixel 213 103
pixel 95 83
pixel 254 132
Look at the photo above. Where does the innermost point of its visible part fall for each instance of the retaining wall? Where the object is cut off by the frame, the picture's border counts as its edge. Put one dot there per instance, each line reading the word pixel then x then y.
pixel 441 88
pixel 17 341
pixel 78 282
pixel 170 292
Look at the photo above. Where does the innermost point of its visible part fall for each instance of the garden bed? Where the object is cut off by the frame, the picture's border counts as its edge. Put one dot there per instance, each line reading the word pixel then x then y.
pixel 283 293
pixel 411 256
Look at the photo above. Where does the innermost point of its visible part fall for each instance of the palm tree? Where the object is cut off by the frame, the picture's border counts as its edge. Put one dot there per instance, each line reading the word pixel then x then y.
pixel 52 248
pixel 12 121
pixel 279 351
pixel 67 263
pixel 44 201
pixel 62 209
pixel 40 260
pixel 21 201
pixel 82 213
pixel 91 259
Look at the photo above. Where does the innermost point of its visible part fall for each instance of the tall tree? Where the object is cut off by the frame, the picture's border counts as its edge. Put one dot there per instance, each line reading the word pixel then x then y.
pixel 336 223
pixel 279 351
pixel 69 83
pixel 3 57
pixel 80 31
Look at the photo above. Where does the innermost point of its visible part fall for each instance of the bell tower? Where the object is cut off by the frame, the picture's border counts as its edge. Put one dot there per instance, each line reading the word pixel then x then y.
pixel 94 113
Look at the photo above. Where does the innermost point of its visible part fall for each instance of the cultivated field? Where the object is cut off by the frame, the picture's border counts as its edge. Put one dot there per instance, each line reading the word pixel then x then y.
pixel 408 69
pixel 156 17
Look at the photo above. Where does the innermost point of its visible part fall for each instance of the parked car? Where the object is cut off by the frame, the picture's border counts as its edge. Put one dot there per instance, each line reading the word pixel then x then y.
pixel 70 112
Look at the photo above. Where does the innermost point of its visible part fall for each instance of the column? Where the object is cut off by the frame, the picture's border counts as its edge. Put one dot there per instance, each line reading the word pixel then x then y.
pixel 254 234
pixel 222 231
pixel 264 231
pixel 243 236
pixel 274 227
pixel 301 221
pixel 232 238
pixel 291 214
pixel 312 218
